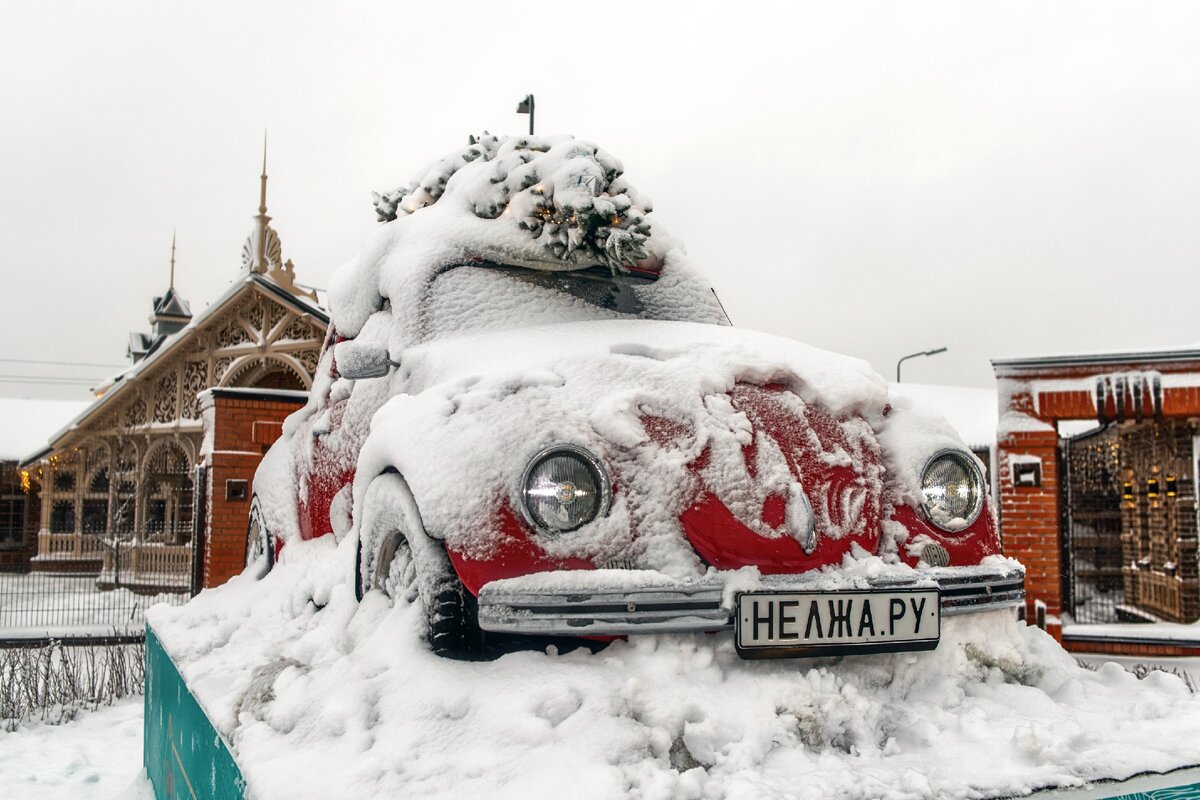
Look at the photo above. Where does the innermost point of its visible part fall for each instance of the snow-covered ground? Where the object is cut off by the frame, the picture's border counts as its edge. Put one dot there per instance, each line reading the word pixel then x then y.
pixel 323 696
pixel 1189 666
pixel 98 755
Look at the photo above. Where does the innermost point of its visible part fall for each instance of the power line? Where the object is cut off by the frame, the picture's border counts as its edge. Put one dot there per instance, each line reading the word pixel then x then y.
pixel 48 379
pixel 60 363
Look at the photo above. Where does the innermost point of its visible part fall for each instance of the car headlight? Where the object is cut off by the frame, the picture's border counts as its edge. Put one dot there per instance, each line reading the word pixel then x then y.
pixel 563 488
pixel 953 490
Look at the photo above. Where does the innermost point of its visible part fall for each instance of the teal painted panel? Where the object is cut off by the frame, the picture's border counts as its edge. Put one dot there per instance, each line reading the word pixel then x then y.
pixel 184 756
pixel 1189 792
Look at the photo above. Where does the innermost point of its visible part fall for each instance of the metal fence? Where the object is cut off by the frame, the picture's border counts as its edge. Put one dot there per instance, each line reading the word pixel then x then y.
pixel 48 605
pixel 1093 587
pixel 68 599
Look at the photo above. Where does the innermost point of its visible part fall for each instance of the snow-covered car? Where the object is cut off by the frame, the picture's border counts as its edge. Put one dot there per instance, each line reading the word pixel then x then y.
pixel 531 416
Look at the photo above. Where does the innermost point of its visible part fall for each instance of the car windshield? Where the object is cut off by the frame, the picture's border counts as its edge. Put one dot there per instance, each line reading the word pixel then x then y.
pixel 489 296
pixel 596 286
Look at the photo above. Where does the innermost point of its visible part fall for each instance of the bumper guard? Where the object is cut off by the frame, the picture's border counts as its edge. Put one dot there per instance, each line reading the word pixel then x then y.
pixel 619 602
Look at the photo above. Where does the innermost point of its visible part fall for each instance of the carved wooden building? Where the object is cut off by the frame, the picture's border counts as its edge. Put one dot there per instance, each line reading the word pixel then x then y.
pixel 124 490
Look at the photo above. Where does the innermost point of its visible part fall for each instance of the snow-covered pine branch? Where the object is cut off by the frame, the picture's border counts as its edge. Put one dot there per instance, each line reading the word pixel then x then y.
pixel 571 196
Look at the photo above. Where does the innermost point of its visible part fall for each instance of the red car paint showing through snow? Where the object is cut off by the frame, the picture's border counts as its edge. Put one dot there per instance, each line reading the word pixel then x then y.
pixel 848 497
pixel 332 468
pixel 516 554
pixel 844 498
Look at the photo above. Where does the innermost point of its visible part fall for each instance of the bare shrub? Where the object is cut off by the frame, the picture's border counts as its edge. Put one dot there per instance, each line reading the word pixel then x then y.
pixel 1141 670
pixel 52 683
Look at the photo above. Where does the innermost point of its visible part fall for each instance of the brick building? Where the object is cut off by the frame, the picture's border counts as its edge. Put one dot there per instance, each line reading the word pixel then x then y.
pixel 1104 514
pixel 245 422
pixel 129 489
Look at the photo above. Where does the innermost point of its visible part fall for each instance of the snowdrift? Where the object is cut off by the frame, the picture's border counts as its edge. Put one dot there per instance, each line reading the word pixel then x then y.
pixel 322 696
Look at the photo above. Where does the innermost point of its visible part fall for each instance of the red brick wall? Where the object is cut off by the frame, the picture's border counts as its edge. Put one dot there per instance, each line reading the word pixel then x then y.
pixel 243 428
pixel 1181 402
pixel 1029 518
pixel 1067 405
pixel 1156 647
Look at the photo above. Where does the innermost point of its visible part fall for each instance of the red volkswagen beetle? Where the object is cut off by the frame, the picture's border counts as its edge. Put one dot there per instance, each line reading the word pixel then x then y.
pixel 533 417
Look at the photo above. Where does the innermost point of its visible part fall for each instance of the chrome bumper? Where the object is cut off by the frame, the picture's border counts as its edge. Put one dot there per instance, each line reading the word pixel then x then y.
pixel 618 602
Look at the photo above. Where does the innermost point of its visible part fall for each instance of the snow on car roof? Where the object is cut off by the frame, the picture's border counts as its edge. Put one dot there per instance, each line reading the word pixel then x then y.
pixel 549 203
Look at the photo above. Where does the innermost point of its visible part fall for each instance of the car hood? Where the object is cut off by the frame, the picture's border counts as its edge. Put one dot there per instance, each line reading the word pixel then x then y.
pixel 712 357
pixel 647 398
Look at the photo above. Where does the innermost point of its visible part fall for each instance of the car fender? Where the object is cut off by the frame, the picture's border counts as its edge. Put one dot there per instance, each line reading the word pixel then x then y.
pixel 387 504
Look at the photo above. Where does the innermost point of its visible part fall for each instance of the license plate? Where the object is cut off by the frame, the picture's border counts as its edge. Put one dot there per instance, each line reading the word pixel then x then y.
pixel 788 624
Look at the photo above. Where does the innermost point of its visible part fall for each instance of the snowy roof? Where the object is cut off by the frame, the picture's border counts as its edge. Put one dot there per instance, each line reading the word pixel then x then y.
pixel 1182 353
pixel 972 412
pixel 114 386
pixel 27 425
pixel 139 344
pixel 172 305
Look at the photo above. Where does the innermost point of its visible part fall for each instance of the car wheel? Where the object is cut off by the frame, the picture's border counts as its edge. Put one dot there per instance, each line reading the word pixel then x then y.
pixel 396 557
pixel 260 545
pixel 399 570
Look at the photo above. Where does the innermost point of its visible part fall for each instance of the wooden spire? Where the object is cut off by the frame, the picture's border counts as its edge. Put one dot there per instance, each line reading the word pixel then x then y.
pixel 262 217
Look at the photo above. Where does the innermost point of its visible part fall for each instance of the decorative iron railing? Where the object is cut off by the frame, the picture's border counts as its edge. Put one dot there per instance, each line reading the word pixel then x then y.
pixel 69 546
pixel 141 564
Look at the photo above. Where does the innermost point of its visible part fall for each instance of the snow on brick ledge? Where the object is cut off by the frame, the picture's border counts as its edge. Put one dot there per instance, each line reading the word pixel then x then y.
pixel 324 697
pixel 1149 632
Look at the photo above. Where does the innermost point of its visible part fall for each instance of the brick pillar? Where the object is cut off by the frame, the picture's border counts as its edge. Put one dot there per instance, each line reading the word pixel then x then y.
pixel 1030 519
pixel 239 426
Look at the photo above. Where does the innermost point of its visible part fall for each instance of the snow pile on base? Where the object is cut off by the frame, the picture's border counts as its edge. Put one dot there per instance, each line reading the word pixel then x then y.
pixel 322 696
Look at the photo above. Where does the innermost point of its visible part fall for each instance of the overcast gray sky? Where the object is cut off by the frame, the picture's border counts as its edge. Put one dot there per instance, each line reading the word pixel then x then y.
pixel 873 178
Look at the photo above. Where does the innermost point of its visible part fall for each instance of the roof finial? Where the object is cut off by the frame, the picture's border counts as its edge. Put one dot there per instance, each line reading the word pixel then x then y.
pixel 172 286
pixel 262 201
pixel 260 264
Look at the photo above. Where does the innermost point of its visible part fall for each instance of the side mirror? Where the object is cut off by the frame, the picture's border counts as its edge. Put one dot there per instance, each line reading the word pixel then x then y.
pixel 359 360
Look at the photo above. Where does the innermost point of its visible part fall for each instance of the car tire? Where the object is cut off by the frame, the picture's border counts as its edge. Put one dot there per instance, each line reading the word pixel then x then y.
pixel 260 544
pixel 454 622
pixel 396 557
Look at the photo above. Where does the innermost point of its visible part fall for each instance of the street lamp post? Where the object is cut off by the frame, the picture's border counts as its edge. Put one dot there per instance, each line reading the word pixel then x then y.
pixel 526 107
pixel 932 352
